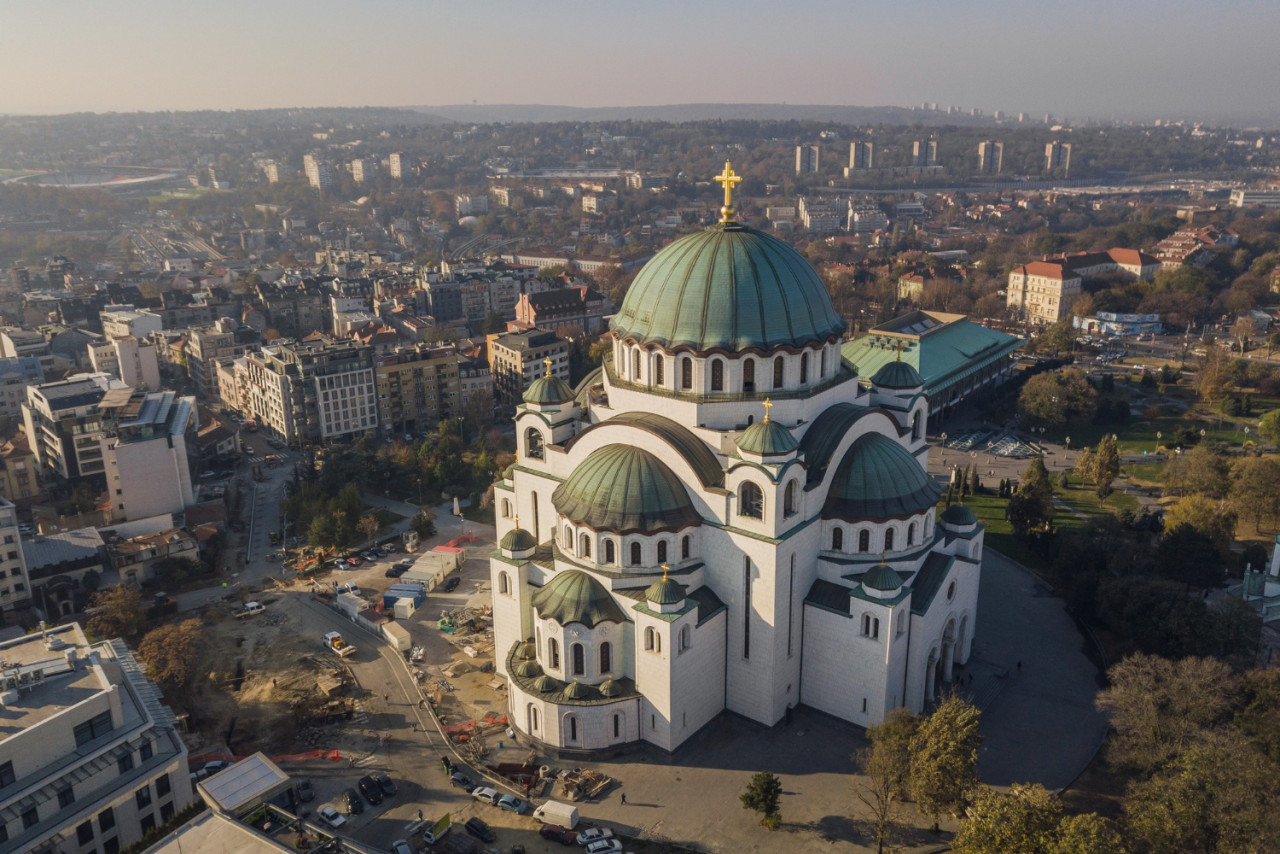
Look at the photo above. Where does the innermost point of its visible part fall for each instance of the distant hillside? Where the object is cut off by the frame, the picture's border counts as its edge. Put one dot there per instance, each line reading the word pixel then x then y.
pixel 488 113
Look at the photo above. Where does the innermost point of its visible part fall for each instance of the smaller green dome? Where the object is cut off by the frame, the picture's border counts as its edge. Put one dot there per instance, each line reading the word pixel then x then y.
pixel 958 515
pixel 518 540
pixel 577 691
pixel 882 578
pixel 525 651
pixel 897 374
pixel 879 479
pixel 609 688
pixel 528 669
pixel 575 597
pixel 544 684
pixel 767 438
pixel 548 391
pixel 664 591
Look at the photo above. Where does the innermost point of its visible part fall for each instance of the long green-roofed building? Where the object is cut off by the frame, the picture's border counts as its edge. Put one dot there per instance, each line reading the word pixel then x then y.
pixel 954 356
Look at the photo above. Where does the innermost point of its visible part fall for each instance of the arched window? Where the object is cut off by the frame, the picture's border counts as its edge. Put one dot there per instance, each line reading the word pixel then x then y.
pixel 533 718
pixel 533 444
pixel 606 657
pixel 870 626
pixel 778 366
pixel 662 551
pixel 804 368
pixel 748 375
pixel 635 554
pixel 751 501
pixel 915 427
pixel 822 363
pixel 506 508
pixel 567 542
pixel 864 540
pixel 635 365
pixel 650 639
pixel 717 375
pixel 686 636
pixel 686 373
pixel 901 622
pixel 685 544
pixel 572 725
pixel 888 540
pixel 837 540
pixel 617 726
pixel 789 500
pixel 584 545
pixel 579 659
pixel 911 534
pixel 659 365
pixel 609 556
pixel 504 583
pixel 553 653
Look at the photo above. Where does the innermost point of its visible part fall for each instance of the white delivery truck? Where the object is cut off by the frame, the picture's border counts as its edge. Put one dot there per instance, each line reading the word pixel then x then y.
pixel 557 812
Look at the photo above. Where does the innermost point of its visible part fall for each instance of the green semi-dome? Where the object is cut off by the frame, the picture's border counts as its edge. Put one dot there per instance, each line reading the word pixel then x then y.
pixel 731 288
pixel 958 516
pixel 575 597
pixel 767 438
pixel 624 489
pixel 528 669
pixel 879 479
pixel 897 374
pixel 548 391
pixel 664 591
pixel 518 540
pixel 882 578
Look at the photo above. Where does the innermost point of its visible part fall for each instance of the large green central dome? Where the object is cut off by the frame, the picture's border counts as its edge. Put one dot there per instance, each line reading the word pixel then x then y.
pixel 731 288
pixel 625 489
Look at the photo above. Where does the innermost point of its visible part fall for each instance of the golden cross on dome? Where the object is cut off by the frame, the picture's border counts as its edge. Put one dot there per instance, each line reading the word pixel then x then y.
pixel 899 349
pixel 517 520
pixel 547 362
pixel 882 558
pixel 665 569
pixel 728 178
pixel 768 404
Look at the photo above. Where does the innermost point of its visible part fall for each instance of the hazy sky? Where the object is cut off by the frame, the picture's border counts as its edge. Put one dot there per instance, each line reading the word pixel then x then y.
pixel 1176 59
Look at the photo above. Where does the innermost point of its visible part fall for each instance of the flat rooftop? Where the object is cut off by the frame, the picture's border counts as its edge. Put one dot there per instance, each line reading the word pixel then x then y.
pixel 37 668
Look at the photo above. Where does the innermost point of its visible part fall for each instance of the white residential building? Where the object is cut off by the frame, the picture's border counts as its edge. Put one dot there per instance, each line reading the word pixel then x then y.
pixel 15 586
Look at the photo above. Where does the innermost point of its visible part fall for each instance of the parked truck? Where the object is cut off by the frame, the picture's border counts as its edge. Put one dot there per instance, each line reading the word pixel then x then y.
pixel 557 812
pixel 250 609
pixel 334 641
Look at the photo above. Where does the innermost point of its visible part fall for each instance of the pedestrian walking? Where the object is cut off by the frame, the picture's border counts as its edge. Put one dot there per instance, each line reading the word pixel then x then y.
pixel 419 815
pixel 624 797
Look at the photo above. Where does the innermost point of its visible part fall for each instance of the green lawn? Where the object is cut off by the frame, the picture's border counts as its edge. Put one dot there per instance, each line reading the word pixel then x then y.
pixel 999 536
pixel 1084 500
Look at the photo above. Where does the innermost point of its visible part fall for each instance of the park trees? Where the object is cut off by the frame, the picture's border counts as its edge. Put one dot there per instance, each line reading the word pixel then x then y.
pixel 944 753
pixel 1214 518
pixel 1106 466
pixel 886 771
pixel 1031 507
pixel 1269 426
pixel 1024 821
pixel 764 795
pixel 1055 397
pixel 117 613
pixel 170 653
pixel 1198 471
pixel 1255 489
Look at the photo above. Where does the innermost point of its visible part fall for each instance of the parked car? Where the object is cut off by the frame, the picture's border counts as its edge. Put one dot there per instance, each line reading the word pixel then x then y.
pixel 305 792
pixel 604 846
pixel 556 833
pixel 461 781
pixel 351 798
pixel 477 828
pixel 592 834
pixel 486 795
pixel 369 554
pixel 330 816
pixel 452 584
pixel 396 571
pixel 511 803
pixel 385 783
pixel 400 846
pixel 370 789
pixel 355 561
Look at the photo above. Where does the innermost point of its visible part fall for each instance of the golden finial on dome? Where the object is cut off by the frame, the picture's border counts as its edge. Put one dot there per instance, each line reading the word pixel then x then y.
pixel 547 362
pixel 728 178
pixel 882 558
pixel 768 404
pixel 899 349
pixel 665 570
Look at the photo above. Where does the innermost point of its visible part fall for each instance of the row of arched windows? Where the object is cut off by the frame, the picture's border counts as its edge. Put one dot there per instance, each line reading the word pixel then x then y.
pixel 751 500
pixel 717 381
pixel 635 551
pixel 887 543
pixel 578 657
pixel 571 729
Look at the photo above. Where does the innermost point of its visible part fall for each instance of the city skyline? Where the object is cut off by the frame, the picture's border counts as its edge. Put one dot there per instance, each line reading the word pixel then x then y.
pixel 1138 60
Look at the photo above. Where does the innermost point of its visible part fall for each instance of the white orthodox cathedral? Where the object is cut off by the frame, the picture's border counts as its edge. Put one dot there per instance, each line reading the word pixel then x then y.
pixel 725 517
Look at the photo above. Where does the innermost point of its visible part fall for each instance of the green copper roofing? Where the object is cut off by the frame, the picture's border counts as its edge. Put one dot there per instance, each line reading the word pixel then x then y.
pixel 624 489
pixel 548 391
pixel 680 438
pixel 582 391
pixel 575 597
pixel 768 438
pixel 528 669
pixel 896 374
pixel 959 515
pixel 879 479
pixel 664 591
pixel 609 688
pixel 949 348
pixel 729 287
pixel 881 577
pixel 525 651
pixel 924 587
pixel 578 691
pixel 544 684
pixel 824 435
pixel 518 540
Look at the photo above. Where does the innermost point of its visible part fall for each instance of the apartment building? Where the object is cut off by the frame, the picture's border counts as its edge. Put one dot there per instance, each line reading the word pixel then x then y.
pixel 418 386
pixel 147 445
pixel 862 155
pixel 807 158
pixel 312 391
pixel 518 358
pixel 64 423
pixel 1243 198
pixel 578 307
pixel 1057 157
pixel 15 375
pixel 475 381
pixel 319 173
pixel 90 757
pixel 134 362
pixel 134 559
pixel 122 321
pixel 990 157
pixel 209 345
pixel 15 586
pixel 19 471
